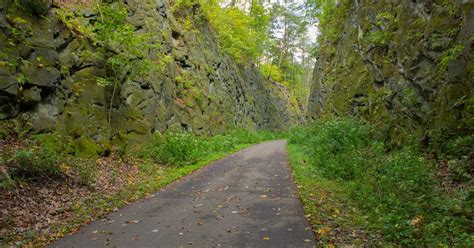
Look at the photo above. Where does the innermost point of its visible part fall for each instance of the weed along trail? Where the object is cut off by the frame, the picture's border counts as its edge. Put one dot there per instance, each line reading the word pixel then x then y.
pixel 244 200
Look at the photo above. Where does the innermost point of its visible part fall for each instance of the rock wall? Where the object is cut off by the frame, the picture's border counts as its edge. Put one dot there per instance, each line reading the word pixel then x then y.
pixel 48 80
pixel 406 66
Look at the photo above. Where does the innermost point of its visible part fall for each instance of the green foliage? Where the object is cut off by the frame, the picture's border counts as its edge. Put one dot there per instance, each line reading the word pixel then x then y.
pixel 378 38
pixel 180 148
pixel 240 34
pixel 75 22
pixel 449 56
pixel 46 156
pixel 37 8
pixel 125 50
pixel 396 189
pixel 456 151
pixel 383 17
pixel 460 146
pixel 343 142
pixel 446 144
pixel 273 72
pixel 176 148
pixel 326 205
pixel 330 16
pixel 33 163
pixel 234 41
pixel 182 5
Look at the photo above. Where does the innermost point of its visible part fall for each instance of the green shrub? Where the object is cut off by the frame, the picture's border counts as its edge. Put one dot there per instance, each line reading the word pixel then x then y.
pixel 449 56
pixel 181 148
pixel 35 162
pixel 221 143
pixel 378 38
pixel 6 182
pixel 35 7
pixel 460 146
pixel 395 189
pixel 176 148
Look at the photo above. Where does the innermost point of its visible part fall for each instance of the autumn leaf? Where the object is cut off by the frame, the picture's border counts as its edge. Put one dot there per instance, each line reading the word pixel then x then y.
pixel 323 231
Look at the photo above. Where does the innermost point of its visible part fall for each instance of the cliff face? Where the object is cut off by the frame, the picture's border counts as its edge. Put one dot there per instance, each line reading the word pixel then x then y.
pixel 406 66
pixel 49 73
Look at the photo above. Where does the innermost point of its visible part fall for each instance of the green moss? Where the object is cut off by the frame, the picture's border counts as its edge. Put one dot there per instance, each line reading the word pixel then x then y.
pixel 37 8
pixel 85 147
pixel 449 56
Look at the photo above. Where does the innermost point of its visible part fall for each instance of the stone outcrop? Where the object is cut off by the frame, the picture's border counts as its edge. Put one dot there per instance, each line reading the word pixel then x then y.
pixel 405 66
pixel 48 80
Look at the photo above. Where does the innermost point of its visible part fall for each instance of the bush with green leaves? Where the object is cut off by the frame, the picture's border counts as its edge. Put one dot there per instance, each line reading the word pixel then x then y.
pixel 457 151
pixel 176 148
pixel 34 162
pixel 241 34
pixel 396 189
pixel 37 8
pixel 180 148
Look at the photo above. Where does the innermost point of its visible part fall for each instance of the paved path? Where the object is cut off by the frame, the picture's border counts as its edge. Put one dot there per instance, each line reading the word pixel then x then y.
pixel 244 200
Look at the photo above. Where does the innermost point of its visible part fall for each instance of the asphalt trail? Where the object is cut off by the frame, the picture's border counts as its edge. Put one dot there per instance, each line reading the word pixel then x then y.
pixel 244 200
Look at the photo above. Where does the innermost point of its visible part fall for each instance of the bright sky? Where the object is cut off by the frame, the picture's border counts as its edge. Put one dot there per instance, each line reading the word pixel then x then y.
pixel 313 32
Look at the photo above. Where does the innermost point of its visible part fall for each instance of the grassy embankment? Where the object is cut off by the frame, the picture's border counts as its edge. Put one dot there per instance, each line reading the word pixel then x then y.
pixel 358 190
pixel 59 192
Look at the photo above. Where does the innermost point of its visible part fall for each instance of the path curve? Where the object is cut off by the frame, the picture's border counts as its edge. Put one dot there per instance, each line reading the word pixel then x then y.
pixel 244 200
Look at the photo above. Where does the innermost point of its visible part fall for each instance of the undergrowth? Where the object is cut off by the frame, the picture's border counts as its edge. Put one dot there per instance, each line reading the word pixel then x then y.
pixel 394 188
pixel 38 158
pixel 181 148
pixel 101 183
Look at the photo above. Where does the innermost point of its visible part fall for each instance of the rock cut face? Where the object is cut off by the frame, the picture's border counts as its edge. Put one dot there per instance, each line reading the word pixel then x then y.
pixel 406 67
pixel 49 79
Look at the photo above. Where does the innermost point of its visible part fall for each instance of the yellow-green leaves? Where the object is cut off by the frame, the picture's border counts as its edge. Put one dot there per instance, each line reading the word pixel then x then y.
pixel 240 34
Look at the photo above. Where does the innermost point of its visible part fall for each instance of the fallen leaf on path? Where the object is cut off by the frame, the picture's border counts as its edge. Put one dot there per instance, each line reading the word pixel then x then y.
pixel 266 238
pixel 132 221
